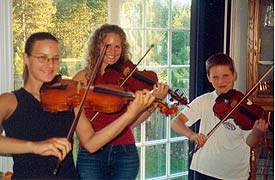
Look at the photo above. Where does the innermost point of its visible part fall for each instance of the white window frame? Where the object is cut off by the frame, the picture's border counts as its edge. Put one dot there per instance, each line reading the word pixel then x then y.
pixel 6 67
pixel 6 49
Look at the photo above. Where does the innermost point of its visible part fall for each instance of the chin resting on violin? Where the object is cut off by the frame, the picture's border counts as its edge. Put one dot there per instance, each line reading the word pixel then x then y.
pixel 117 52
pixel 225 152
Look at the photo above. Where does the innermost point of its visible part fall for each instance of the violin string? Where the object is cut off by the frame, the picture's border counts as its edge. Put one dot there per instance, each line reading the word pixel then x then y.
pixel 115 92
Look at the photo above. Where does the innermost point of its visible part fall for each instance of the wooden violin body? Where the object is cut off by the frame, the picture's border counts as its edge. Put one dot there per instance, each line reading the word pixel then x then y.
pixel 66 94
pixel 133 83
pixel 246 113
pixel 137 81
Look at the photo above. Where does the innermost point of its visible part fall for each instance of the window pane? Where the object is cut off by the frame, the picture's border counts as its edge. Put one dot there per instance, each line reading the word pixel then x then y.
pixel 28 18
pixel 181 48
pixel 157 13
pixel 137 133
pixel 179 157
pixel 162 74
pixel 180 80
pixel 158 56
pixel 134 38
pixel 69 66
pixel 155 161
pixel 155 127
pixel 181 13
pixel 131 13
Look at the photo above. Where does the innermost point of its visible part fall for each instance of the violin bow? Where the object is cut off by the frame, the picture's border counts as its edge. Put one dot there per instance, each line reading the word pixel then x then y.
pixel 81 106
pixel 134 69
pixel 150 82
pixel 235 106
pixel 128 76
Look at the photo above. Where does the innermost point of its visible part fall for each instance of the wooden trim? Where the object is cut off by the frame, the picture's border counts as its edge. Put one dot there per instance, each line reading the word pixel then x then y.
pixel 253 55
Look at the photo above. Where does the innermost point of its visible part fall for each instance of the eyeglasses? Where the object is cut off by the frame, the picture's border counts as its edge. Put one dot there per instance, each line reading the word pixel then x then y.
pixel 45 59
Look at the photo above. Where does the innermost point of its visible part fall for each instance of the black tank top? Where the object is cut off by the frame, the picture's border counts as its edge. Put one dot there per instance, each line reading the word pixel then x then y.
pixel 30 122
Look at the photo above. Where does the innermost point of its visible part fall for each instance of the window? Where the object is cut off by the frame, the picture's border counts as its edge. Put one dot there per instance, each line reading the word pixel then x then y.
pixel 163 23
pixel 166 25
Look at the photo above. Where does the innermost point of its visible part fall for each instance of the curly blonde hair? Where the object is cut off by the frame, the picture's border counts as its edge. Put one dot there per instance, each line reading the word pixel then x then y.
pixel 93 50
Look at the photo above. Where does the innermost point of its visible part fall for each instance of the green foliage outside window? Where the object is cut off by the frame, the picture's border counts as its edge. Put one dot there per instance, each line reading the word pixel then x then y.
pixel 70 20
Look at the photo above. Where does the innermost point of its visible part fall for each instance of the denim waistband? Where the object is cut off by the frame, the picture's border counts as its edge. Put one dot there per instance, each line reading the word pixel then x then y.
pixel 114 147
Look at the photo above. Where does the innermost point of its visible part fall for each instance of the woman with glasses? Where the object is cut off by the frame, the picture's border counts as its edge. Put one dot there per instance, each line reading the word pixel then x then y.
pixel 37 138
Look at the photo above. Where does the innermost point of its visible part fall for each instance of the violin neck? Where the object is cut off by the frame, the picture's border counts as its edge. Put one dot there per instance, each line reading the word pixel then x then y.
pixel 143 78
pixel 114 92
pixel 151 82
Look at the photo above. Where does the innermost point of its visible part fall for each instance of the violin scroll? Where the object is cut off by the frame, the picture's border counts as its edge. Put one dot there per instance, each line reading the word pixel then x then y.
pixel 165 109
pixel 180 98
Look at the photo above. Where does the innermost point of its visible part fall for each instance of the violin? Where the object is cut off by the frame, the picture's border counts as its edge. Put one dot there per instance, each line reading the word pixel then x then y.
pixel 133 83
pixel 137 81
pixel 65 94
pixel 244 116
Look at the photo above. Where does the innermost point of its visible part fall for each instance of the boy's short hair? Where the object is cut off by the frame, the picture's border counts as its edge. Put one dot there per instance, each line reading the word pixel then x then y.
pixel 219 59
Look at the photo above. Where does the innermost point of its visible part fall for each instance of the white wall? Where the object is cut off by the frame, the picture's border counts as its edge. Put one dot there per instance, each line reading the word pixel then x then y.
pixel 238 45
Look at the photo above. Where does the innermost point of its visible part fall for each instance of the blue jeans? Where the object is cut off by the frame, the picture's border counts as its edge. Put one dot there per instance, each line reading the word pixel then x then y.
pixel 120 162
pixel 200 176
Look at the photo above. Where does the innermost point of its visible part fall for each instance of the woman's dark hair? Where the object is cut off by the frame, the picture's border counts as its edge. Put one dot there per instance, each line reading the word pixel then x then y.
pixel 36 37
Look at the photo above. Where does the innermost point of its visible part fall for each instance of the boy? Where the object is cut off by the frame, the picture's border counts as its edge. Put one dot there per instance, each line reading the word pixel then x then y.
pixel 226 153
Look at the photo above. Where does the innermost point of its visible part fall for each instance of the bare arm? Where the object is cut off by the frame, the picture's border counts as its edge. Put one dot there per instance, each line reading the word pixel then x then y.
pixel 58 147
pixel 92 140
pixel 259 129
pixel 142 117
pixel 178 125
pixel 160 91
